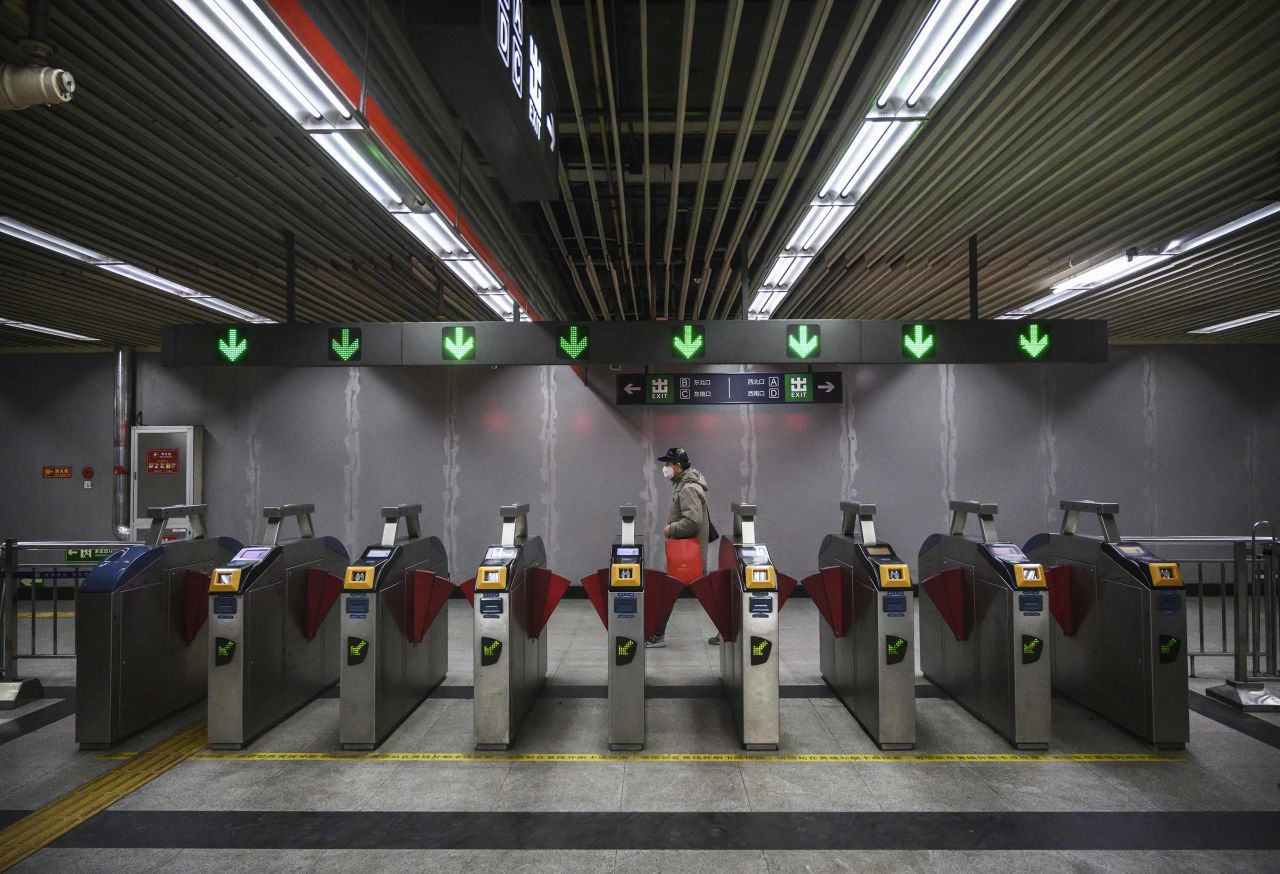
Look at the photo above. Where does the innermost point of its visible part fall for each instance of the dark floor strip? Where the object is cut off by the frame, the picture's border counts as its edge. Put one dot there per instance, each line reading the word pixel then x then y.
pixel 697 690
pixel 9 817
pixel 64 705
pixel 1245 723
pixel 993 830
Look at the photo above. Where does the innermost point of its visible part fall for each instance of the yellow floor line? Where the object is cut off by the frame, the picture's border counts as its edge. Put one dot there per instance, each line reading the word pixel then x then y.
pixel 44 826
pixel 48 614
pixel 1028 758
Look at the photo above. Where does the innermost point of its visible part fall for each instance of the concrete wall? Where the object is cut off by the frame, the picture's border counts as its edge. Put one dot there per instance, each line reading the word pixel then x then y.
pixel 1186 438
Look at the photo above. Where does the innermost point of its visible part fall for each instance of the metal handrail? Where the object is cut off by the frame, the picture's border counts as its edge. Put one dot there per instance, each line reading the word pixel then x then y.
pixel 8 593
pixel 1254 598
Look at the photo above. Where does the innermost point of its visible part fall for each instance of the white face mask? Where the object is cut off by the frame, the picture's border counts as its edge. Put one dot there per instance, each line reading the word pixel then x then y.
pixel 667 472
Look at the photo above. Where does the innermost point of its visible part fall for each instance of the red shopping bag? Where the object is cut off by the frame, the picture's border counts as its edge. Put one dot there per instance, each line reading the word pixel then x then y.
pixel 684 559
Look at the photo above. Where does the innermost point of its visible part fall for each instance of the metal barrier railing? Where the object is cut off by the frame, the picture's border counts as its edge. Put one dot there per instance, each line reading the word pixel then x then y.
pixel 1216 570
pixel 42 570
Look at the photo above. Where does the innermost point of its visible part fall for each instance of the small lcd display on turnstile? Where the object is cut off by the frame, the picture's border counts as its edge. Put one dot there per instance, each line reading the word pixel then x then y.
pixel 251 554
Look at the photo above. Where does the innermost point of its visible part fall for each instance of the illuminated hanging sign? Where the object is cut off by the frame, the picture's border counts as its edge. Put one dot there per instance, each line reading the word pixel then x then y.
pixel 494 64
pixel 702 389
pixel 816 343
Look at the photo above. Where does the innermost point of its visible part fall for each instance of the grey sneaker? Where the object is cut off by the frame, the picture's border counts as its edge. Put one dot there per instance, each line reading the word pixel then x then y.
pixel 658 641
pixel 714 641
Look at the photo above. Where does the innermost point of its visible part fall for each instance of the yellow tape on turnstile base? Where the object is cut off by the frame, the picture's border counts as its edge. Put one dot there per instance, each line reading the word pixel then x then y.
pixel 44 826
pixel 958 758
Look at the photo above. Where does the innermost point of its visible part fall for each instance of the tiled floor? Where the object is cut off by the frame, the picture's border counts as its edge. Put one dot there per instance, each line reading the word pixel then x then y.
pixel 1223 770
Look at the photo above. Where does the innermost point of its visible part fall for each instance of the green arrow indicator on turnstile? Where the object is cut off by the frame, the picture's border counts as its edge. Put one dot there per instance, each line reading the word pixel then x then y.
pixel 345 343
pixel 803 340
pixel 233 345
pixel 573 343
pixel 458 344
pixel 1034 342
pixel 688 342
pixel 918 341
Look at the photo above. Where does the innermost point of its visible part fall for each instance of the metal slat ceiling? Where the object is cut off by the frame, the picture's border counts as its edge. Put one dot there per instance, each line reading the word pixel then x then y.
pixel 1083 130
pixel 1120 125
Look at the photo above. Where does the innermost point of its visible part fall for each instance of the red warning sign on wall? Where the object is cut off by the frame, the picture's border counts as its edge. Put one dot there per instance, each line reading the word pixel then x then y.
pixel 56 471
pixel 162 461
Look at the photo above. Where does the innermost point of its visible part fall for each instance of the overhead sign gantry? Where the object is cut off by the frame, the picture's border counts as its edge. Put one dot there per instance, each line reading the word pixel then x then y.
pixel 657 343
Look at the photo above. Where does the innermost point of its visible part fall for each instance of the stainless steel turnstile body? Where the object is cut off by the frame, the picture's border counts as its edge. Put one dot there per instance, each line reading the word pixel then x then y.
pixel 1000 672
pixel 134 663
pixel 1126 655
pixel 510 665
pixel 262 666
pixel 385 674
pixel 872 667
pixel 749 656
pixel 625 598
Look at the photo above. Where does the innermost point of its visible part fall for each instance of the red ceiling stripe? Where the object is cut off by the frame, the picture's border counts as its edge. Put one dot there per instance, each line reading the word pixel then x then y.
pixel 305 30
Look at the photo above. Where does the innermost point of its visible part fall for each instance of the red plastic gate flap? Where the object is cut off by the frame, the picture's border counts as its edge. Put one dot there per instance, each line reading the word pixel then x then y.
pixel 832 593
pixel 1061 603
pixel 196 608
pixel 468 590
pixel 322 593
pixel 786 585
pixel 660 594
pixel 545 593
pixel 428 594
pixel 946 590
pixel 712 592
pixel 596 586
pixel 728 558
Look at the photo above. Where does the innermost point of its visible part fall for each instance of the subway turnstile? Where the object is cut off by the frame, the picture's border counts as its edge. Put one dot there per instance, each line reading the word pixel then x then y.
pixel 395 632
pixel 1120 626
pixel 140 630
pixel 863 594
pixel 984 628
pixel 743 598
pixel 514 596
pixel 273 641
pixel 632 601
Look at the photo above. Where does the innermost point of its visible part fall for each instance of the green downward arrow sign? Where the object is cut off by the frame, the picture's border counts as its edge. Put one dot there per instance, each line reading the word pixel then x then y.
pixel 233 346
pixel 462 343
pixel 916 342
pixel 1034 342
pixel 574 345
pixel 345 346
pixel 687 344
pixel 802 344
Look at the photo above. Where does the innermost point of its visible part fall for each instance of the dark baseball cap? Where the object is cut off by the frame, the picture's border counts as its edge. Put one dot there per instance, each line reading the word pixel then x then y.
pixel 676 454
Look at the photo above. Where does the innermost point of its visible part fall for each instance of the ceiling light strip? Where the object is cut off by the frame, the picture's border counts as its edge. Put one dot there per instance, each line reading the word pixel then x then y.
pixel 41 329
pixel 951 35
pixel 1237 323
pixel 451 233
pixel 29 234
pixel 1115 269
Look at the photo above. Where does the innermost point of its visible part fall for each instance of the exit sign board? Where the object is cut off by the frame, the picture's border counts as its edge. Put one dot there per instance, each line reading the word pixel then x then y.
pixel 730 388
pixel 663 345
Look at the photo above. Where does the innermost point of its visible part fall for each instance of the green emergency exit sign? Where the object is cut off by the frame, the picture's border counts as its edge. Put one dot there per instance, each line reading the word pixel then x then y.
pixel 89 554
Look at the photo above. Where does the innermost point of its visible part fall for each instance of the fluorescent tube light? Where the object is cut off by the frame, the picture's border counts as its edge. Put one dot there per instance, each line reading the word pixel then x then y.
pixel 1119 267
pixel 41 329
pixel 1237 323
pixel 28 234
pixel 434 233
pixel 1179 247
pixel 128 271
pixel 139 275
pixel 952 34
pixel 242 30
pixel 350 157
pixel 1109 271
